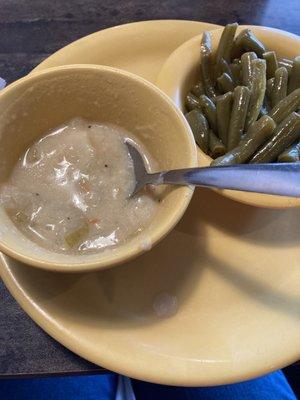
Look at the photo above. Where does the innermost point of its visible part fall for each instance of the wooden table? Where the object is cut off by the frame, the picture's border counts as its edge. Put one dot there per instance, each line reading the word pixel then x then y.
pixel 29 32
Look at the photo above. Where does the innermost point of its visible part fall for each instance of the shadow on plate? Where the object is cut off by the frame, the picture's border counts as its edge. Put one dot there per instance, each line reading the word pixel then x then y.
pixel 262 226
pixel 127 295
pixel 260 292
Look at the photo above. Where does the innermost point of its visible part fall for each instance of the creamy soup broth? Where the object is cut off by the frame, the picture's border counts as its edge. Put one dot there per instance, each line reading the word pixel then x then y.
pixel 69 191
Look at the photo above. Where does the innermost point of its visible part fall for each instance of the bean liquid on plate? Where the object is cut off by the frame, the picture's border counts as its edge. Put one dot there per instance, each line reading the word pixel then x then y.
pixel 69 191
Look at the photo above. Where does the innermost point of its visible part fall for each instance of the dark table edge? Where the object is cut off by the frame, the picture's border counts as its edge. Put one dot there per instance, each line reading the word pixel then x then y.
pixel 100 371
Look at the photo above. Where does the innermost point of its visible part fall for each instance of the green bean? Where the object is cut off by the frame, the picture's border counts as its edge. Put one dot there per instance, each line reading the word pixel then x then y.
pixel 192 102
pixel 75 237
pixel 199 127
pixel 206 56
pixel 198 89
pixel 241 97
pixel 257 134
pixel 209 110
pixel 292 154
pixel 289 67
pixel 269 87
pixel 272 63
pixel 224 107
pixel 236 73
pixel 294 81
pixel 246 59
pixel 246 41
pixel 286 106
pixel 280 86
pixel 286 133
pixel 206 43
pixel 225 68
pixel 287 61
pixel 226 43
pixel 216 147
pixel 225 83
pixel 258 89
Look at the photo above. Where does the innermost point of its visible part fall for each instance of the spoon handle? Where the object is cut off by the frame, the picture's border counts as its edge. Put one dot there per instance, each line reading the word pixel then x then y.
pixel 280 179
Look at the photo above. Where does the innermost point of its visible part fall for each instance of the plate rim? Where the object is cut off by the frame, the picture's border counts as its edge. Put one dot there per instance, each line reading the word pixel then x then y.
pixel 43 320
pixel 121 27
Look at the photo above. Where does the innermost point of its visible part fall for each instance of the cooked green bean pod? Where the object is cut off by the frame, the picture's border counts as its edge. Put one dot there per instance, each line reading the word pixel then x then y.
pixel 216 147
pixel 225 68
pixel 199 127
pixel 225 83
pixel 292 154
pixel 280 86
pixel 198 90
pixel 257 117
pixel 206 67
pixel 257 134
pixel 294 81
pixel 258 89
pixel 272 63
pixel 246 59
pixel 286 106
pixel 226 43
pixel 241 97
pixel 209 110
pixel 192 102
pixel 287 61
pixel 236 70
pixel 269 87
pixel 224 107
pixel 206 43
pixel 286 133
pixel 289 67
pixel 246 41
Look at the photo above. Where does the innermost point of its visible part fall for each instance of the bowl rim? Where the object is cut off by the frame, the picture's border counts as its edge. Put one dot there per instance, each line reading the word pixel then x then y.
pixel 249 198
pixel 130 249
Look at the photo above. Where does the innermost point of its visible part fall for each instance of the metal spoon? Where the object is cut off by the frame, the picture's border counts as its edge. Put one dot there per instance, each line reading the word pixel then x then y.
pixel 279 179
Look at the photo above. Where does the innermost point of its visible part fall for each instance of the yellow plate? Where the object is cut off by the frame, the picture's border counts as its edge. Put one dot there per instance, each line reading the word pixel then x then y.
pixel 216 302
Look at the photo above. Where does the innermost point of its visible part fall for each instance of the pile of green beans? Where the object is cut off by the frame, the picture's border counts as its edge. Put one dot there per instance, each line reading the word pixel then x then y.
pixel 244 107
